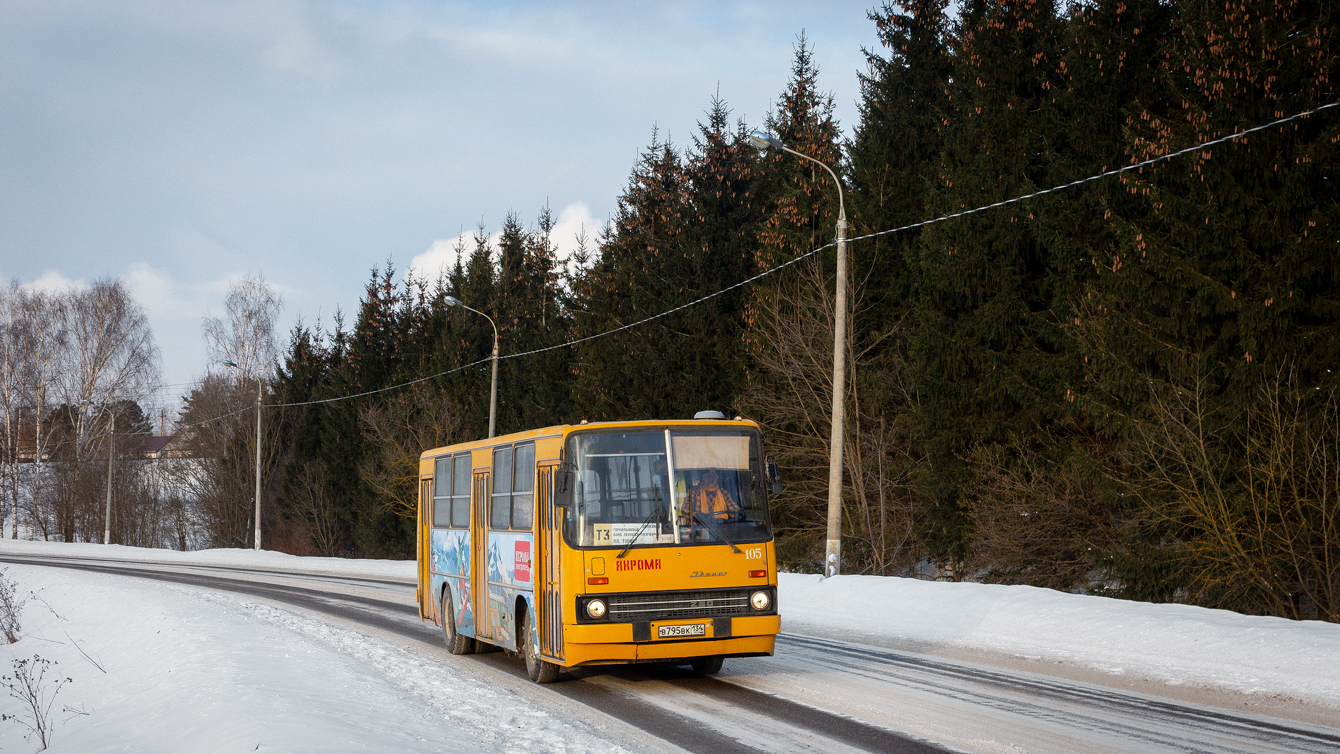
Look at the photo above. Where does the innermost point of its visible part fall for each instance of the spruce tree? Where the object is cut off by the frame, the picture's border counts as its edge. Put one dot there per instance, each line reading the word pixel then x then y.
pixel 724 216
pixel 474 335
pixel 893 156
pixel 633 374
pixel 988 353
pixel 532 389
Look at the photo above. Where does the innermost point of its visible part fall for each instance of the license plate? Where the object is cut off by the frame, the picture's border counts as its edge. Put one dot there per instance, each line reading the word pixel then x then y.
pixel 676 632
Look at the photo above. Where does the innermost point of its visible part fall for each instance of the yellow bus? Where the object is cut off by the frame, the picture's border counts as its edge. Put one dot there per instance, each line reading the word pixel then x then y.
pixel 610 542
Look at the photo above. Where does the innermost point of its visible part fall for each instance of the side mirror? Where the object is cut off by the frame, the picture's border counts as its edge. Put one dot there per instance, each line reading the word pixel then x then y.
pixel 774 475
pixel 563 478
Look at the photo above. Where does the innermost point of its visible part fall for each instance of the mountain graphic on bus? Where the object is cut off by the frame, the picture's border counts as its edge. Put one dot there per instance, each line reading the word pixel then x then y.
pixel 450 552
pixel 496 562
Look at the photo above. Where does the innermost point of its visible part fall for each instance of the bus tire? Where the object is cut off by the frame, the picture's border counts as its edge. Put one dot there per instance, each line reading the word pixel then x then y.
pixel 539 669
pixel 707 665
pixel 456 644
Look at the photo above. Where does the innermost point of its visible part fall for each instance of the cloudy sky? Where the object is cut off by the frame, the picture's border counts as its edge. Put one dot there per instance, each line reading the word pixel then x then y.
pixel 182 144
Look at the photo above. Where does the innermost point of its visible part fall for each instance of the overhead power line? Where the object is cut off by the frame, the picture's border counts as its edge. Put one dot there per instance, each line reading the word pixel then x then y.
pixel 912 226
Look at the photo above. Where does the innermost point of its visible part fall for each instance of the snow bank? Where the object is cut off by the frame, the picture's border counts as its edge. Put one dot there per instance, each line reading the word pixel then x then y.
pixel 1178 644
pixel 400 570
pixel 162 668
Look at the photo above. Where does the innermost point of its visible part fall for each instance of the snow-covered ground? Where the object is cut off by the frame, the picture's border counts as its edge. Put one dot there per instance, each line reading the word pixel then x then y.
pixel 209 660
pixel 1176 644
pixel 161 668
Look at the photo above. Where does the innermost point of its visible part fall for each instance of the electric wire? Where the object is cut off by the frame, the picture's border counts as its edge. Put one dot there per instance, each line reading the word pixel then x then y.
pixel 912 226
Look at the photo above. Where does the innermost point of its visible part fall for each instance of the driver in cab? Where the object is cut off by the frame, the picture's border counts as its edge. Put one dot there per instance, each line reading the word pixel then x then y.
pixel 710 501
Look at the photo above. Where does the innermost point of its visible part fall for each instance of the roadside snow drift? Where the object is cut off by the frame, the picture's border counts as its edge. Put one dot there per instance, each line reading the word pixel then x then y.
pixel 1177 644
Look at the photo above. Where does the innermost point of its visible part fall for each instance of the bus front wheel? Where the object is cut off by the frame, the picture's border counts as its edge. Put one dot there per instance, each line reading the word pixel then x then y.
pixel 539 670
pixel 707 665
pixel 456 644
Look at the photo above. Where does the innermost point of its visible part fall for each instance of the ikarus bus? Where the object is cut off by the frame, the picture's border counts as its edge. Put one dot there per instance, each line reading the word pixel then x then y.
pixel 609 542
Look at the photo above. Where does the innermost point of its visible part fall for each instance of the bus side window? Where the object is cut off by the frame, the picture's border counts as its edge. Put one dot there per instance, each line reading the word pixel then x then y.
pixel 460 493
pixel 442 492
pixel 523 487
pixel 500 507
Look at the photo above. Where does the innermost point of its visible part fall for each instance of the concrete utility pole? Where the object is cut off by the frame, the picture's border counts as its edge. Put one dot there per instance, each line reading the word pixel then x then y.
pixel 493 388
pixel 111 458
pixel 833 552
pixel 259 402
pixel 259 405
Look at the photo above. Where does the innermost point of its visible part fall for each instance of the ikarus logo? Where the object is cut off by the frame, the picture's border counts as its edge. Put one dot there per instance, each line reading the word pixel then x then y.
pixel 702 574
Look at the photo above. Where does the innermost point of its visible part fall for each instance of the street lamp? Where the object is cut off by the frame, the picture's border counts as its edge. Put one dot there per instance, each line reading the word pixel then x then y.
pixel 833 553
pixel 240 373
pixel 493 389
pixel 111 455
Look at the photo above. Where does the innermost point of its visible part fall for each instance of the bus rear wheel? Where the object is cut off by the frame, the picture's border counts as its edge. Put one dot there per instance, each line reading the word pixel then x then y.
pixel 707 665
pixel 456 644
pixel 539 669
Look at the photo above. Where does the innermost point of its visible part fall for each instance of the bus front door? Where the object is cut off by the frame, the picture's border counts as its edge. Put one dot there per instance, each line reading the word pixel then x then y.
pixel 548 595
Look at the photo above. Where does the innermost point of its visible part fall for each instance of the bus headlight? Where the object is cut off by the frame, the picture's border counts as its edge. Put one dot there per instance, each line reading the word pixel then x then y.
pixel 760 601
pixel 596 609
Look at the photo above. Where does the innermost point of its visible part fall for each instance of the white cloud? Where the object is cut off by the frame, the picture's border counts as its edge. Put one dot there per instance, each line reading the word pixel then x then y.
pixel 53 281
pixel 575 219
pixel 439 258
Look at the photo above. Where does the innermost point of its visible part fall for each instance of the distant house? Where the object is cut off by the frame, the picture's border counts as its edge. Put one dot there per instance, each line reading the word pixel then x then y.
pixel 151 448
pixel 164 446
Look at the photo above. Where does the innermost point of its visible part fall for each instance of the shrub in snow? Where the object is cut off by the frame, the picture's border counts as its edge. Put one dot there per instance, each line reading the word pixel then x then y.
pixel 36 694
pixel 11 607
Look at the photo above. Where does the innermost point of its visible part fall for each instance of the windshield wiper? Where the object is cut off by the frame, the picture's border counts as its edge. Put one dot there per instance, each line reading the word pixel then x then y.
pixel 655 512
pixel 715 531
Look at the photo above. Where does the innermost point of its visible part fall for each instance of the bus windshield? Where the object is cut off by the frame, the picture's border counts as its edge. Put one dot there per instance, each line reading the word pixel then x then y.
pixel 622 491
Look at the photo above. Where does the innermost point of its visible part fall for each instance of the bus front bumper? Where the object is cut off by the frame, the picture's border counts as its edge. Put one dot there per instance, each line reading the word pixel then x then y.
pixel 596 644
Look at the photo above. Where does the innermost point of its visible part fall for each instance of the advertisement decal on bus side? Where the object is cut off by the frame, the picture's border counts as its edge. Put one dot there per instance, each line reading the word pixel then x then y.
pixel 449 560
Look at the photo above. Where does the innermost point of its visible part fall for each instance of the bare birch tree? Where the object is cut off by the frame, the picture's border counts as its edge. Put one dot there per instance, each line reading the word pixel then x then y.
pixel 111 356
pixel 42 337
pixel 224 479
pixel 245 334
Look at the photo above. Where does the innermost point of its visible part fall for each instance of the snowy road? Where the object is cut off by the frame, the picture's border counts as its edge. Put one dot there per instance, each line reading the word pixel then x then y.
pixel 814 695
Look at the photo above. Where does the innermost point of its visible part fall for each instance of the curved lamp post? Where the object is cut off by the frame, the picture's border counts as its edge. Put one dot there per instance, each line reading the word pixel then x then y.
pixel 111 456
pixel 493 388
pixel 240 374
pixel 833 553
